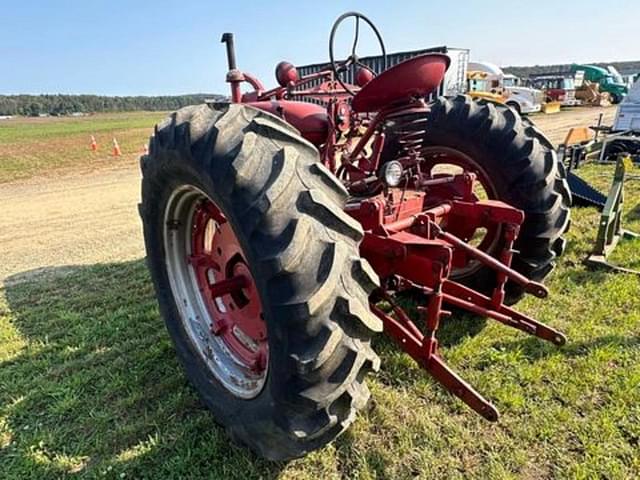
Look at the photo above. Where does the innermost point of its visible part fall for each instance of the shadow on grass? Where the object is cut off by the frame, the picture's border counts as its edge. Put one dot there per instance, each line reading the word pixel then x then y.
pixel 400 370
pixel 97 389
pixel 94 386
pixel 535 349
pixel 633 214
pixel 453 329
pixel 587 275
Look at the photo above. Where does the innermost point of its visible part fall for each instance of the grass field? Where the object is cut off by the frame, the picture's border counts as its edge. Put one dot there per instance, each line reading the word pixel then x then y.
pixel 90 385
pixel 32 146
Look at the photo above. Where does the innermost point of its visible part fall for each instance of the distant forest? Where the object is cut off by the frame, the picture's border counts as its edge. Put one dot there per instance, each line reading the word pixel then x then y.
pixel 35 105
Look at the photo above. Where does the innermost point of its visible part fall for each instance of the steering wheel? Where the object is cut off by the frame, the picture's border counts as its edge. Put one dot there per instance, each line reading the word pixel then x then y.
pixel 340 67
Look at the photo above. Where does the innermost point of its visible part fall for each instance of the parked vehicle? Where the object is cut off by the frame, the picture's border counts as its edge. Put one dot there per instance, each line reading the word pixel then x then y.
pixel 604 79
pixel 556 88
pixel 608 143
pixel 528 100
pixel 522 99
pixel 480 85
pixel 615 75
pixel 628 115
pixel 625 131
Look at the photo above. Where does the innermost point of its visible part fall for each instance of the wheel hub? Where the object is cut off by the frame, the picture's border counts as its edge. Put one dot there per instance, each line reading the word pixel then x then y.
pixel 215 291
pixel 227 287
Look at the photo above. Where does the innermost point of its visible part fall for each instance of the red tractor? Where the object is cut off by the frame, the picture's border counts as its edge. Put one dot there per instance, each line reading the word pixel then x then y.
pixel 281 228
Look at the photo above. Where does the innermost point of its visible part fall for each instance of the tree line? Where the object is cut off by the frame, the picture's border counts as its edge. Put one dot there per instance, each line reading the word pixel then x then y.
pixel 35 105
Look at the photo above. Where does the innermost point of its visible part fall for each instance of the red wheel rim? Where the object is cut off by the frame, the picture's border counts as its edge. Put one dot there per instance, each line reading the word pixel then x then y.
pixel 227 287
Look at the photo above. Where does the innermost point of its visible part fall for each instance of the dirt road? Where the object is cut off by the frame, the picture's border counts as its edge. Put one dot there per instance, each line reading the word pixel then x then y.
pixel 557 125
pixel 69 220
pixel 83 219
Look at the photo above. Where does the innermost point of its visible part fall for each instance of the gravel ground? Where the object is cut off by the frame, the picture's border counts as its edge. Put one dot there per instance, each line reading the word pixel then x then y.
pixel 89 218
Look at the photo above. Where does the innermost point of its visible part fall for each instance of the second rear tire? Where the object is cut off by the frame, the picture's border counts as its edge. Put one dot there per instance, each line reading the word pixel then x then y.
pixel 522 166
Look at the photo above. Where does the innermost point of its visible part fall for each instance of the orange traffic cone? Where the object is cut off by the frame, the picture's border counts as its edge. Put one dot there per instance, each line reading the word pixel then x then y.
pixel 94 144
pixel 116 148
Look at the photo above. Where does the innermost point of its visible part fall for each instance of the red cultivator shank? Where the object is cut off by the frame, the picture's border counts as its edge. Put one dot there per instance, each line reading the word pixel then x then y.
pixel 411 251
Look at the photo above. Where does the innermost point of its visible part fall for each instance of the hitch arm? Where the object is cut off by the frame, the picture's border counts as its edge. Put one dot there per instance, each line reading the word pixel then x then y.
pixel 468 299
pixel 413 342
pixel 534 288
pixel 415 252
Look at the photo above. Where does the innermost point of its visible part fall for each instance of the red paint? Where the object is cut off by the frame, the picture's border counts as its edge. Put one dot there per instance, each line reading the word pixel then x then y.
pixel 286 74
pixel 416 77
pixel 556 94
pixel 227 286
pixel 399 242
pixel 364 76
pixel 310 119
pixel 414 236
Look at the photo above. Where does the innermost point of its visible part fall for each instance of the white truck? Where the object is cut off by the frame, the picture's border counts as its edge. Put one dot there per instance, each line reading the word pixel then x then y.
pixel 624 135
pixel 522 99
pixel 628 115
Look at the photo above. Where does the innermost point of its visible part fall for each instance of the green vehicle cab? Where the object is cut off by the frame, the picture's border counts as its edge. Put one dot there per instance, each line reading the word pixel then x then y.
pixel 607 82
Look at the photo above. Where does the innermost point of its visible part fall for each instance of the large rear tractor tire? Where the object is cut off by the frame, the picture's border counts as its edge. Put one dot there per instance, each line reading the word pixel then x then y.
pixel 515 163
pixel 258 276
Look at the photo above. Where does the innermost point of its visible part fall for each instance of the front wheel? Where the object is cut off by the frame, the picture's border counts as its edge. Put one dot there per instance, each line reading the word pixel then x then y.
pixel 514 163
pixel 258 277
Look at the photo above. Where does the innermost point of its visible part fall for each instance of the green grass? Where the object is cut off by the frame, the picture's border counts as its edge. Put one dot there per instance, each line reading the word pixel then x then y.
pixel 90 386
pixel 33 146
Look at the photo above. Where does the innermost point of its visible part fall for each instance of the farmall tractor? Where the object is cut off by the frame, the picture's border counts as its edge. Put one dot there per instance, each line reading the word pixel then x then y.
pixel 282 227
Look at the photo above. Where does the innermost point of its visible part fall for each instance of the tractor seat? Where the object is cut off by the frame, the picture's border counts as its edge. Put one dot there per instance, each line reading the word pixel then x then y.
pixel 416 77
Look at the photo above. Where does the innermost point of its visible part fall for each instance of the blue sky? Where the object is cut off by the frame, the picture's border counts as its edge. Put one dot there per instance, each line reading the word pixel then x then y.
pixel 157 47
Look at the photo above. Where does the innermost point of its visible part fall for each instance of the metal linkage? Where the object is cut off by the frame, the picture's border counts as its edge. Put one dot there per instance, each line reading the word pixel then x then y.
pixel 424 351
pixel 410 133
pixel 468 299
pixel 610 231
pixel 415 251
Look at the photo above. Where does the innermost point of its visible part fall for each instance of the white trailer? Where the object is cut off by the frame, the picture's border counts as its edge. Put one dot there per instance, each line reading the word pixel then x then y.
pixel 628 115
pixel 624 135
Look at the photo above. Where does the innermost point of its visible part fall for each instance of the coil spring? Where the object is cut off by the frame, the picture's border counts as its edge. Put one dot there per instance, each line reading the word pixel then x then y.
pixel 408 132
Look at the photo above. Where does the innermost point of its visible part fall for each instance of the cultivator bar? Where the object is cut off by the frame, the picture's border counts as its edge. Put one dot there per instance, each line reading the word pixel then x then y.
pixel 407 245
